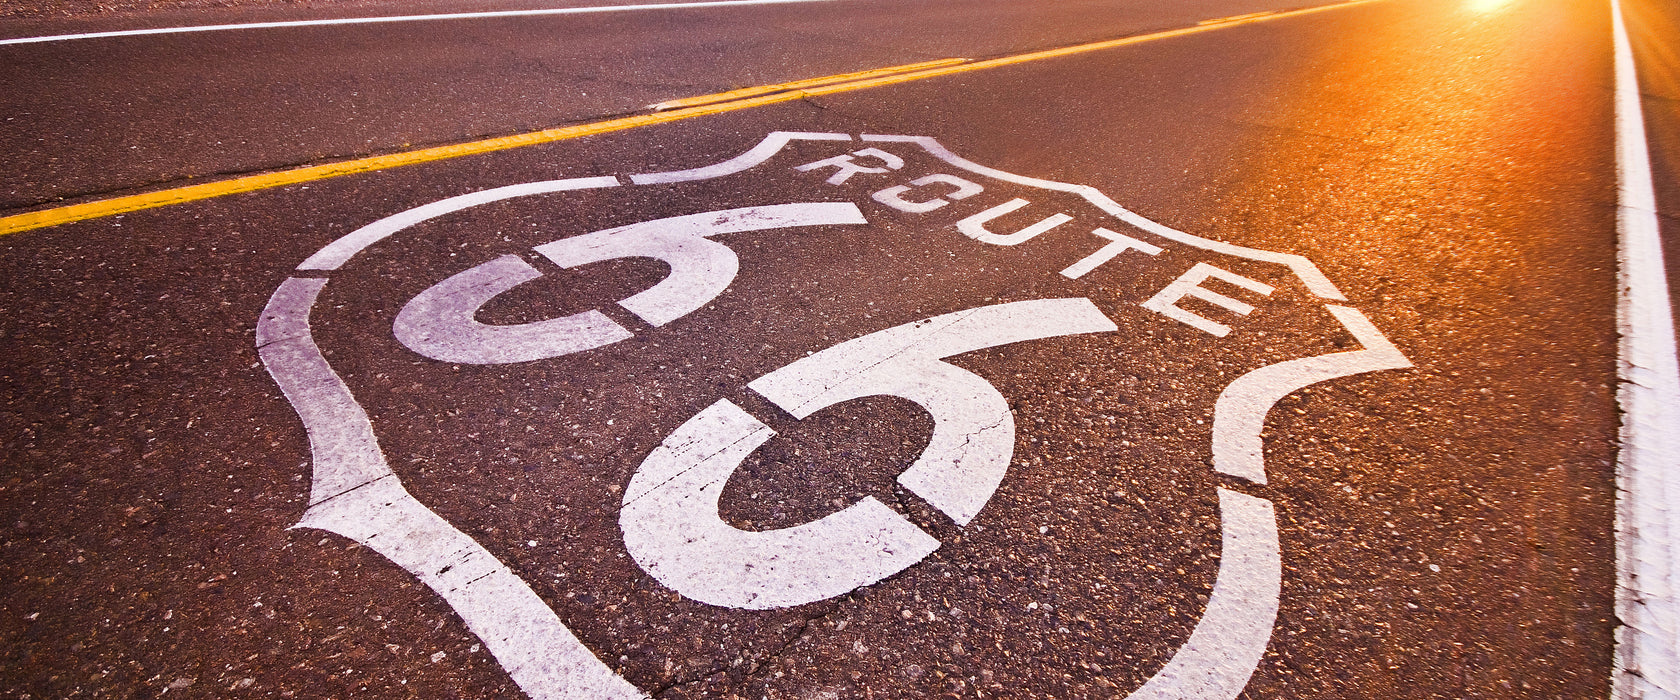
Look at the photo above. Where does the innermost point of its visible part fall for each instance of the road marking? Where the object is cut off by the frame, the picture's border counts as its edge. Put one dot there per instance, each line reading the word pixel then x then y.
pixel 772 144
pixel 341 439
pixel 672 529
pixel 670 514
pixel 341 250
pixel 1239 416
pixel 355 494
pixel 700 268
pixel 1304 269
pixel 975 226
pixel 1232 635
pixel 1648 467
pixel 800 84
pixel 894 196
pixel 1189 284
pixel 973 429
pixel 845 165
pixel 1237 18
pixel 151 200
pixel 400 18
pixel 1118 243
pixel 439 322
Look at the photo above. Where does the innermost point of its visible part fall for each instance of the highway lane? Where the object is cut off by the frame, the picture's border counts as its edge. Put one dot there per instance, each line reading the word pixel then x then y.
pixel 96 117
pixel 1444 529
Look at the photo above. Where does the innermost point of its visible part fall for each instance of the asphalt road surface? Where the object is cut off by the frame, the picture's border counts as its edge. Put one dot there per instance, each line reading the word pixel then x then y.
pixel 1276 359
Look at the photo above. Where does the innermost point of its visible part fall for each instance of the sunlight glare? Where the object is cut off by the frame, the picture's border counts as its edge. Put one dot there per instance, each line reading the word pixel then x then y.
pixel 1487 6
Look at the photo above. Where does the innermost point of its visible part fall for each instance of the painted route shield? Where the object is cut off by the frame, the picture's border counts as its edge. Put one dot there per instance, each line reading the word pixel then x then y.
pixel 841 416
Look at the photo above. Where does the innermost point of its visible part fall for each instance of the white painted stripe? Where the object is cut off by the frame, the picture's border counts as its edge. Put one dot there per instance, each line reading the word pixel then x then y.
pixel 401 18
pixel 1225 648
pixel 1239 415
pixel 341 250
pixel 1303 268
pixel 355 494
pixel 770 146
pixel 1648 508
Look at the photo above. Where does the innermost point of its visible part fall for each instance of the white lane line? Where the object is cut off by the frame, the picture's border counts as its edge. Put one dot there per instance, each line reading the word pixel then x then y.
pixel 400 18
pixel 1648 468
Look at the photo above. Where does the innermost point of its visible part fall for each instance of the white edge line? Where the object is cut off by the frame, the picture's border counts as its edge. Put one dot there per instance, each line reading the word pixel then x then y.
pixel 400 18
pixel 1647 661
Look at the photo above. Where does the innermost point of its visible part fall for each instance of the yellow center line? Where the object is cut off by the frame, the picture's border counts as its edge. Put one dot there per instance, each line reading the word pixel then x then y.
pixel 799 84
pixel 1237 18
pixel 746 98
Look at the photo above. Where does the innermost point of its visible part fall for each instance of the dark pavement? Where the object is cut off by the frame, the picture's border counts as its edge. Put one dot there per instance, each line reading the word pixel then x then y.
pixel 106 116
pixel 1445 529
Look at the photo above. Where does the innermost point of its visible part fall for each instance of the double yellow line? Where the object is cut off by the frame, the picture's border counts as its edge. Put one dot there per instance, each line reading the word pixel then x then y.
pixel 674 110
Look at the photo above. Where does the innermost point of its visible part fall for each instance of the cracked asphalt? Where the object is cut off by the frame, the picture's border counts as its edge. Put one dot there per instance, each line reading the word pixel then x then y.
pixel 1445 529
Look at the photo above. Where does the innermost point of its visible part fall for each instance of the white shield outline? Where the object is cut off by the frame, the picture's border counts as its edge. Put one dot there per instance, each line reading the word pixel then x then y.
pixel 354 492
